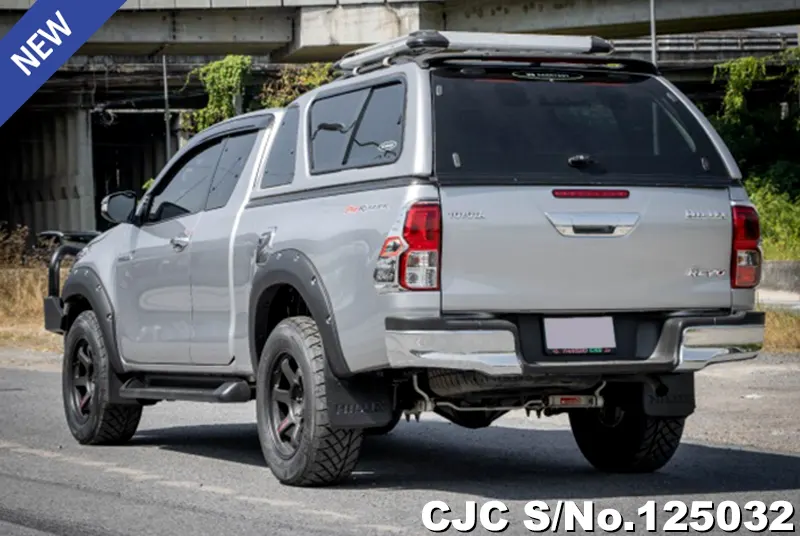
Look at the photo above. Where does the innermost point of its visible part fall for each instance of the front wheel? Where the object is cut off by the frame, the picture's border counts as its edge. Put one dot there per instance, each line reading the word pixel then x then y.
pixel 297 440
pixel 85 381
pixel 625 441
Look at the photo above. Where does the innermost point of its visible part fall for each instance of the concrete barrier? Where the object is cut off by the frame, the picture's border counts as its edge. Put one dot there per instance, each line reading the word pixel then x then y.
pixel 781 275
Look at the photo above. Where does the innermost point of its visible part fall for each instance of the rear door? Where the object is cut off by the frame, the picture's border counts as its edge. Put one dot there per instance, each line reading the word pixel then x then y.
pixel 211 255
pixel 570 190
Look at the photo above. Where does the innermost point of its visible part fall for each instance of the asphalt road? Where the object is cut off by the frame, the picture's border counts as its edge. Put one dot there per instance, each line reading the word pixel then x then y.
pixel 196 469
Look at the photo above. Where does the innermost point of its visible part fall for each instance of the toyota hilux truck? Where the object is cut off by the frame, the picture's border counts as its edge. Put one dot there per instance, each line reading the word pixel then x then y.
pixel 460 223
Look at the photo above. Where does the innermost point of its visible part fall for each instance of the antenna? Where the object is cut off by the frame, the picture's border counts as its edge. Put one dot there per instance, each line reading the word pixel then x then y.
pixel 432 41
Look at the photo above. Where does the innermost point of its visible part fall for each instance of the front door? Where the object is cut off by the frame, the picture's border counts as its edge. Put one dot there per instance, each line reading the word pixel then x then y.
pixel 153 279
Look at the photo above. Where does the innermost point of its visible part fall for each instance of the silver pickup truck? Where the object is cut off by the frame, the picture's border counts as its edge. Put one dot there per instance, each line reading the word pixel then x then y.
pixel 462 223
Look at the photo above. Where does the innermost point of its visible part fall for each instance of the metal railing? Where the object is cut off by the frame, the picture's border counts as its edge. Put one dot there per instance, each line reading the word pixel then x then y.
pixel 768 43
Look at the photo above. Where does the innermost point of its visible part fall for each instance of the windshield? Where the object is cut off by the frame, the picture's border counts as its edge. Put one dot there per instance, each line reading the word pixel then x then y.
pixel 562 124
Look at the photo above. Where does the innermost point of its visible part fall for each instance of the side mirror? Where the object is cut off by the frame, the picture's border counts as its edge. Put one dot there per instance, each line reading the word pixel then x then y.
pixel 118 207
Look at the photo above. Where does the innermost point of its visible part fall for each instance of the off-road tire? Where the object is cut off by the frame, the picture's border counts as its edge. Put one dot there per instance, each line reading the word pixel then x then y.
pixel 325 455
pixel 386 428
pixel 637 443
pixel 107 423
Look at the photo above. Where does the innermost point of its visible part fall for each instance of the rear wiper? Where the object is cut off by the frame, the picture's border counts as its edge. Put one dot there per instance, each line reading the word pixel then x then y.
pixel 580 160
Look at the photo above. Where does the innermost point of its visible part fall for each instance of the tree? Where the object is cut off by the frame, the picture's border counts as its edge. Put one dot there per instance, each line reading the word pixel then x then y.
pixel 763 136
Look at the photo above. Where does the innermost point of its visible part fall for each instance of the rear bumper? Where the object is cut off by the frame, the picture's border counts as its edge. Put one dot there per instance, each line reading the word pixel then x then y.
pixel 685 344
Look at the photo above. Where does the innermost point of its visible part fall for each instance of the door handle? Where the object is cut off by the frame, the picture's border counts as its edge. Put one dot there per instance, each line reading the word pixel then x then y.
pixel 602 224
pixel 180 242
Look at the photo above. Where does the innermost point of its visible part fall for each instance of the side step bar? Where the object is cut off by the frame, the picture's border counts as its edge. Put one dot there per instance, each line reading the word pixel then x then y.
pixel 203 389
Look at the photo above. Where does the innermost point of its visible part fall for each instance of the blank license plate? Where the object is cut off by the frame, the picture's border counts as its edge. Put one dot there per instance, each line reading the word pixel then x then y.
pixel 580 335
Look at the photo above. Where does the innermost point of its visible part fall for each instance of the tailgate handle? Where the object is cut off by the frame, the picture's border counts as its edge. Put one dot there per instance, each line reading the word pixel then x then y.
pixel 601 224
pixel 594 229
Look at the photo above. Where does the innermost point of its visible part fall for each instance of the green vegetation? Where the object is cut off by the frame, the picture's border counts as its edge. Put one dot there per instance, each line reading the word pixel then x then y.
pixel 224 81
pixel 764 138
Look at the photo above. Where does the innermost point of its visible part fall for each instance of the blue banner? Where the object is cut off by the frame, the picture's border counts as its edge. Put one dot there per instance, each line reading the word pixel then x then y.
pixel 46 36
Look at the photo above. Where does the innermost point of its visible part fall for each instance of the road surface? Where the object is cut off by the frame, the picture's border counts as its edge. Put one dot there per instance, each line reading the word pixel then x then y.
pixel 196 469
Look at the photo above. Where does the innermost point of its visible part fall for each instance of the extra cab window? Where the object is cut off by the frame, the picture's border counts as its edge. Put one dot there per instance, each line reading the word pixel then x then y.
pixel 281 159
pixel 358 129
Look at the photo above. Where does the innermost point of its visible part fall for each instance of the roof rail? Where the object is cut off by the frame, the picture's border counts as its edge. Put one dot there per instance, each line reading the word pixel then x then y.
pixel 433 41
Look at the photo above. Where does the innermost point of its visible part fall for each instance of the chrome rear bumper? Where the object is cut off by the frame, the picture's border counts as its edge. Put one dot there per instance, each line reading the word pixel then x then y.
pixel 686 344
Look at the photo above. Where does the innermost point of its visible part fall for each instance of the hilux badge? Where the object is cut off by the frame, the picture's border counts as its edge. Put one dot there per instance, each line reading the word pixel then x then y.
pixel 696 272
pixel 705 215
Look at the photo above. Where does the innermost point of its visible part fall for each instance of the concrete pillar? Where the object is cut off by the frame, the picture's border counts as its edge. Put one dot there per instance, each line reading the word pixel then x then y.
pixel 83 171
pixel 61 172
pixel 329 32
pixel 48 216
pixel 31 212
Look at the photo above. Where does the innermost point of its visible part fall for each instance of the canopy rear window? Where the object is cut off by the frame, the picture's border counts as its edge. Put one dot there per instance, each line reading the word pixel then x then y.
pixel 562 124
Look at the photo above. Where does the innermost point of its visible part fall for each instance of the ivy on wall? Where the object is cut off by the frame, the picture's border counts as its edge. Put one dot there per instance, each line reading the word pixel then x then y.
pixel 223 80
pixel 293 81
pixel 742 74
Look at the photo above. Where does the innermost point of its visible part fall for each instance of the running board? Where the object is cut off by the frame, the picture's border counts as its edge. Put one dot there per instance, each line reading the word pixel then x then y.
pixel 187 389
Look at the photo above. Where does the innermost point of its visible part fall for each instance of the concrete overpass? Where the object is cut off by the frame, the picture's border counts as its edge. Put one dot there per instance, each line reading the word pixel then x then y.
pixel 311 30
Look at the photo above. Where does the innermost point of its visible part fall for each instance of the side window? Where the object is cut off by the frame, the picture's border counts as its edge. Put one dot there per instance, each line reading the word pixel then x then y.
pixel 379 136
pixel 281 159
pixel 234 156
pixel 186 191
pixel 358 129
pixel 332 122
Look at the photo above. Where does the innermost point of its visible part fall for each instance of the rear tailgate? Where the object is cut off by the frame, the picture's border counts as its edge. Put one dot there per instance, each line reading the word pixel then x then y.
pixel 519 248
pixel 655 233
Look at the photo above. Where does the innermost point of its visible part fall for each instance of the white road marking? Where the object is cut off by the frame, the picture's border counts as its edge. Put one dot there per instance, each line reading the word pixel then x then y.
pixel 179 484
pixel 87 463
pixel 217 489
pixel 383 528
pixel 36 452
pixel 327 513
pixel 270 502
pixel 139 476
pixel 125 471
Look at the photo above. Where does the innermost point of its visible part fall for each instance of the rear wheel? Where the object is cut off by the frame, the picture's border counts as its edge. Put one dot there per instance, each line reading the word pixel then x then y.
pixel 620 440
pixel 299 445
pixel 85 380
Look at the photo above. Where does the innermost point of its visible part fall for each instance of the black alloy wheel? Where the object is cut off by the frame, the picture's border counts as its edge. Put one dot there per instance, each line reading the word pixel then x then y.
pixel 82 381
pixel 286 401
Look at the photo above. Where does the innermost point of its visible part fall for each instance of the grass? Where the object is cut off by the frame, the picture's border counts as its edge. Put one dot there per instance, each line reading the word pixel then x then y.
pixel 23 286
pixel 22 291
pixel 782 331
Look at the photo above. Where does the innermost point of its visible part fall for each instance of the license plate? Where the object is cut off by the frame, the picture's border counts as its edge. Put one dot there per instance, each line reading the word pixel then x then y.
pixel 580 335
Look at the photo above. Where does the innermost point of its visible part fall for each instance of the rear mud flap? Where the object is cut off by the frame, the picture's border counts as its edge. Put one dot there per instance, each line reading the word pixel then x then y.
pixel 673 398
pixel 359 402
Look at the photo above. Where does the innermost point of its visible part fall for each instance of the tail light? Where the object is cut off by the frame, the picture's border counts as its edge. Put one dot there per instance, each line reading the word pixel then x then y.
pixel 422 233
pixel 745 254
pixel 411 260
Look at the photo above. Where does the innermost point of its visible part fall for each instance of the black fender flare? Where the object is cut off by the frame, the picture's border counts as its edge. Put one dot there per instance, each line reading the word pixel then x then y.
pixel 85 283
pixel 292 267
